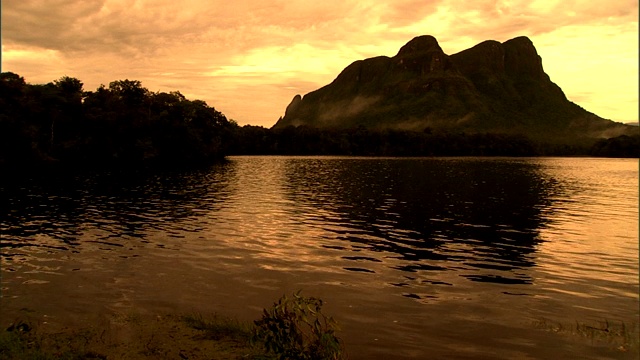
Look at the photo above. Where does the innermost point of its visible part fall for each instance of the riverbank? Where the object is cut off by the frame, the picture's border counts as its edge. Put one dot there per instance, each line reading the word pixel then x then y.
pixel 171 336
pixel 132 336
pixel 294 328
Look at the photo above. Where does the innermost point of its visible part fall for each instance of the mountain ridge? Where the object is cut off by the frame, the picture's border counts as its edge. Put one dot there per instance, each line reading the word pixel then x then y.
pixel 490 87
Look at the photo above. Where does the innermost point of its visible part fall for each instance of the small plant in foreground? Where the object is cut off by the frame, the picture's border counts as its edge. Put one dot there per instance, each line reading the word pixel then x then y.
pixel 295 328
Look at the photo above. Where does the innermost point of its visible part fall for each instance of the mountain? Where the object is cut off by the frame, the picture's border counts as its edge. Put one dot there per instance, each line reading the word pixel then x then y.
pixel 491 87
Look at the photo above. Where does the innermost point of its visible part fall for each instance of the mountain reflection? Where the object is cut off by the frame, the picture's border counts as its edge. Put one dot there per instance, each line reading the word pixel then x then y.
pixel 421 221
pixel 114 206
pixel 482 214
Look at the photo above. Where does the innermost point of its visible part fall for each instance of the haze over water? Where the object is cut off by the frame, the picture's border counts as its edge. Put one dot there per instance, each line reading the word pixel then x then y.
pixel 444 257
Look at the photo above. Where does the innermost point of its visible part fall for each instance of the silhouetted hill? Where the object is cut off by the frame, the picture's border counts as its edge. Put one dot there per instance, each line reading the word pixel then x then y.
pixel 491 87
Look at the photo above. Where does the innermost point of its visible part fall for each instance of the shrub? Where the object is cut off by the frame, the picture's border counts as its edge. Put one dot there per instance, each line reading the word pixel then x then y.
pixel 295 328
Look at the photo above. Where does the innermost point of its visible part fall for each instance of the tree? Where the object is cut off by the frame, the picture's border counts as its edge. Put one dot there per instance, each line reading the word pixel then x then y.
pixel 71 87
pixel 130 91
pixel 11 85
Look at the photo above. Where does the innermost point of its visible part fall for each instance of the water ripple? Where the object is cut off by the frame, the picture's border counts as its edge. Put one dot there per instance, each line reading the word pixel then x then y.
pixel 544 236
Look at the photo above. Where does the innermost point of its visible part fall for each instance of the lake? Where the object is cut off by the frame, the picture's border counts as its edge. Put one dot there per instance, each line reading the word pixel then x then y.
pixel 415 257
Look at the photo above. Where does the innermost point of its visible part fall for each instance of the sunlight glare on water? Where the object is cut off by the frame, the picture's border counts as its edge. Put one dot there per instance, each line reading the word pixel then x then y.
pixel 590 252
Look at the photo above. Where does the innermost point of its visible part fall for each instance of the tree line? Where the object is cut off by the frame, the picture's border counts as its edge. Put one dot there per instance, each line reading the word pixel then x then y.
pixel 59 123
pixel 361 141
pixel 122 124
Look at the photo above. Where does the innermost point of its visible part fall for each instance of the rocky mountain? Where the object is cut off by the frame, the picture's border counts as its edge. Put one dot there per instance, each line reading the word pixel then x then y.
pixel 491 87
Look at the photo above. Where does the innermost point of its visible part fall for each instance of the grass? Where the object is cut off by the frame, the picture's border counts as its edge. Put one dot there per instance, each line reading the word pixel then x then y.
pixel 188 337
pixel 133 336
pixel 219 327
pixel 22 341
pixel 618 334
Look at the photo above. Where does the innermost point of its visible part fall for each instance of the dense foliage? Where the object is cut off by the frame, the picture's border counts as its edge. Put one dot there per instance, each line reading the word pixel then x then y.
pixel 621 146
pixel 122 124
pixel 306 140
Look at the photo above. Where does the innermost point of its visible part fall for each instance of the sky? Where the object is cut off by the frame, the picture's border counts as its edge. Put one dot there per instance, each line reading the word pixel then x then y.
pixel 249 58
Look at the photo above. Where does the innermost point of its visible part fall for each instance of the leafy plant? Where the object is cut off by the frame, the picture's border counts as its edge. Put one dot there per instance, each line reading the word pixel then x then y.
pixel 295 328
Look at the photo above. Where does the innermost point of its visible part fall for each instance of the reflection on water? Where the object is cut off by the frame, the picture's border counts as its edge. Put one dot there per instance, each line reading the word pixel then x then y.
pixel 427 215
pixel 118 205
pixel 414 256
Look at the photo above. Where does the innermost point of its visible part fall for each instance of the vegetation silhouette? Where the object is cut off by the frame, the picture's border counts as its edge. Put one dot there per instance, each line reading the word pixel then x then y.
pixel 621 146
pixel 363 141
pixel 123 124
pixel 59 124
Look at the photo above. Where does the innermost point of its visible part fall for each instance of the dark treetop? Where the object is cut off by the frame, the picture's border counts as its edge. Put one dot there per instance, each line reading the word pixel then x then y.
pixel 123 124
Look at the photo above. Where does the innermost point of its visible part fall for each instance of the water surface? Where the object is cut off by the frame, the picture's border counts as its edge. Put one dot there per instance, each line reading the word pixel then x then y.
pixel 427 257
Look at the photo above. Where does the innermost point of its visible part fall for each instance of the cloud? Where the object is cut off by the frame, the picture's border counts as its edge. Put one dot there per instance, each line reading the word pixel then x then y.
pixel 507 19
pixel 249 58
pixel 44 24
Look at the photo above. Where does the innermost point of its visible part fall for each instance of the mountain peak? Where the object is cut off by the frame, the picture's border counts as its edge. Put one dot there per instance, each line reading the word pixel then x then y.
pixel 522 41
pixel 420 44
pixel 522 58
pixel 493 86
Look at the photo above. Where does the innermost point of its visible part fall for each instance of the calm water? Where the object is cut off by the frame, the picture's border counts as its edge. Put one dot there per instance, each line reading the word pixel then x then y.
pixel 416 258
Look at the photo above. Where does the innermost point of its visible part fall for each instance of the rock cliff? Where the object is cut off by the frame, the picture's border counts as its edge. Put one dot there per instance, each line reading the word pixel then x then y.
pixel 491 87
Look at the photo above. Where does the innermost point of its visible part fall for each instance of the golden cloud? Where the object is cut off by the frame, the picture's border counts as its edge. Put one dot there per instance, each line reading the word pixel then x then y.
pixel 249 58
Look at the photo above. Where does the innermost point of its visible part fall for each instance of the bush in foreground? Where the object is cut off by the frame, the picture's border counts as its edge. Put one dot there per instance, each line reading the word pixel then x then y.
pixel 295 328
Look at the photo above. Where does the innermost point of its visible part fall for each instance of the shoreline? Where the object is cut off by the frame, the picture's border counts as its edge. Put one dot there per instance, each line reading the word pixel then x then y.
pixel 135 335
pixel 131 336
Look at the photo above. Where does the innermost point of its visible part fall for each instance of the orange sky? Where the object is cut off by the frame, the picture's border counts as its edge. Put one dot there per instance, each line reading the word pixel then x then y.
pixel 249 58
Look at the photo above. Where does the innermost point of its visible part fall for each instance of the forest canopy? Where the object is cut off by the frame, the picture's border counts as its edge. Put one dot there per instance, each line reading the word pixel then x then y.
pixel 122 124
